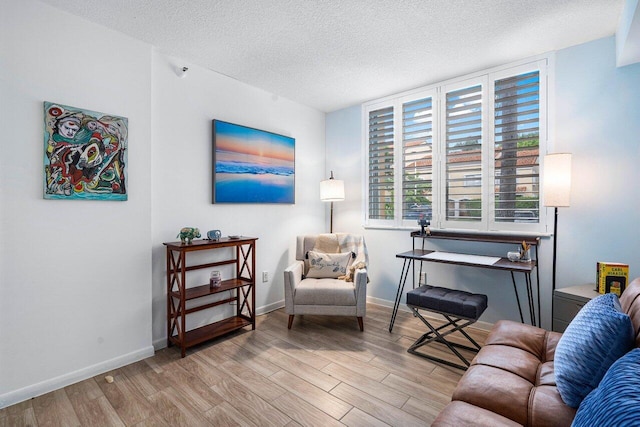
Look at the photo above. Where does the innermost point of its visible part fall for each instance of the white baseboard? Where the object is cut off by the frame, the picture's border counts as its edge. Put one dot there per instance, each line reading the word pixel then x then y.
pixel 270 307
pixel 56 383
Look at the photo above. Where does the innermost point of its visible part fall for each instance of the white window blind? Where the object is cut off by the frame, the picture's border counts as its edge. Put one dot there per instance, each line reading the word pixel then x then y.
pixel 517 147
pixel 465 153
pixel 417 158
pixel 381 164
pixel 463 144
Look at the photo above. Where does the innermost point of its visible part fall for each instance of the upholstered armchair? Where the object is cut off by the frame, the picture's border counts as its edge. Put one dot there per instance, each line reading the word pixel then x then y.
pixel 329 277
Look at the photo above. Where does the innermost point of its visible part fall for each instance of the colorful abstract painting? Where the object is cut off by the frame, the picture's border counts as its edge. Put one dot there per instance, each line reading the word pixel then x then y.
pixel 85 154
pixel 251 165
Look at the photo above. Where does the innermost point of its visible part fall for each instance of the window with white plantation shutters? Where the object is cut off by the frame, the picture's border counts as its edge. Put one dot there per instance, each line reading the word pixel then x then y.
pixel 516 145
pixel 463 145
pixel 381 164
pixel 464 153
pixel 417 158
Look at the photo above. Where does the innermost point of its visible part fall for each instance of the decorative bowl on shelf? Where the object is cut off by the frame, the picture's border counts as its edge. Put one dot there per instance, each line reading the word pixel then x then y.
pixel 513 256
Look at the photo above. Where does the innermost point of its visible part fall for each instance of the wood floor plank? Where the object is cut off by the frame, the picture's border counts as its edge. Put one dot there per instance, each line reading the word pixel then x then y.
pixel 402 367
pixel 322 400
pixel 126 400
pixel 324 371
pixel 98 411
pixel 249 353
pixel 91 405
pixel 263 387
pixel 16 409
pixel 347 360
pixel 302 412
pixel 145 378
pixel 23 418
pixel 176 410
pixel 55 409
pixel 208 373
pixel 226 415
pixel 302 370
pixel 315 336
pixel 355 379
pixel 417 390
pixel 358 418
pixel 154 421
pixel 311 358
pixel 427 411
pixel 87 390
pixel 375 407
pixel 252 406
pixel 192 387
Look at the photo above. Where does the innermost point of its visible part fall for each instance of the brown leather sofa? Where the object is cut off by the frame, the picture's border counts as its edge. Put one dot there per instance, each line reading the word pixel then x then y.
pixel 511 381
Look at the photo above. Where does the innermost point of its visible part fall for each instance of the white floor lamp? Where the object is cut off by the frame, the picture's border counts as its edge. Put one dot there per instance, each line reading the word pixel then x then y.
pixel 331 190
pixel 556 192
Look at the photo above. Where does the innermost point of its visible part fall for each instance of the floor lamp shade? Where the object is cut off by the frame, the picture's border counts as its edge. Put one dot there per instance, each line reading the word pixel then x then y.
pixel 331 190
pixel 557 193
pixel 557 180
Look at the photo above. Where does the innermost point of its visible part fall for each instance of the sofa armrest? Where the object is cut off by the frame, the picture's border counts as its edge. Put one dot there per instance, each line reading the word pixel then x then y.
pixel 292 278
pixel 360 282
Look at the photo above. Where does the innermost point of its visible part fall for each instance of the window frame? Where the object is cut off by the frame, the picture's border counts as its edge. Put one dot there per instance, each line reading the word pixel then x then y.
pixel 487 78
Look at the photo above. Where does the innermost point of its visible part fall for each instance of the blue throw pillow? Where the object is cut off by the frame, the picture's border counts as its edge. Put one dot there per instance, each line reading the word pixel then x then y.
pixel 616 401
pixel 598 336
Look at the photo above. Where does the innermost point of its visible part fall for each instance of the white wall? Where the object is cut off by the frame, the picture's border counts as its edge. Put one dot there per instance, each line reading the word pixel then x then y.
pixel 597 108
pixel 82 283
pixel 183 110
pixel 75 276
pixel 596 120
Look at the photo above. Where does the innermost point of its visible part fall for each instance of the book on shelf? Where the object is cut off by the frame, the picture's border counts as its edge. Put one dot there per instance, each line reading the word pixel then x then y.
pixel 611 277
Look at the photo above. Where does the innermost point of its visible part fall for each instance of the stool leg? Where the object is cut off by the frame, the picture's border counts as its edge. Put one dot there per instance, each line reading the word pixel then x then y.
pixel 435 335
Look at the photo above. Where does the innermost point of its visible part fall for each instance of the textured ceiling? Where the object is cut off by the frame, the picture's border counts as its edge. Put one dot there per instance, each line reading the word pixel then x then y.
pixel 330 54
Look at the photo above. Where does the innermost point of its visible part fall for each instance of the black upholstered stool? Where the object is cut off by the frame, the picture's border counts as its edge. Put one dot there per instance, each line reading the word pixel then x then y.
pixel 460 308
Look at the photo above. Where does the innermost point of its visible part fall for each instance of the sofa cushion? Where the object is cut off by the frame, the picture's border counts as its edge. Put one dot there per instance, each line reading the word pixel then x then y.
pixel 616 401
pixel 323 265
pixel 516 365
pixel 458 414
pixel 598 336
pixel 630 302
pixel 325 292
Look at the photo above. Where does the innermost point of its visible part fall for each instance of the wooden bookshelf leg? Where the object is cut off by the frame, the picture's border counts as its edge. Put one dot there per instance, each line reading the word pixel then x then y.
pixel 290 321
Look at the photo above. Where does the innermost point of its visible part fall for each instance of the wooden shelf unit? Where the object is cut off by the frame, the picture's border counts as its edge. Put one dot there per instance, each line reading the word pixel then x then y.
pixel 242 288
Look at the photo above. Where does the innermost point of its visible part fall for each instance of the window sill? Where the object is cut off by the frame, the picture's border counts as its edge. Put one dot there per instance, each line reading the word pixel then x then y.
pixel 456 234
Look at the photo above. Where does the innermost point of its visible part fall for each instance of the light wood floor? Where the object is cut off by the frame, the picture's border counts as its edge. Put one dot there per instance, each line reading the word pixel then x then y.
pixel 322 372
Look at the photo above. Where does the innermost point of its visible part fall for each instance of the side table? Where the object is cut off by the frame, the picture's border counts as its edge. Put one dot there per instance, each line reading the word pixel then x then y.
pixel 567 302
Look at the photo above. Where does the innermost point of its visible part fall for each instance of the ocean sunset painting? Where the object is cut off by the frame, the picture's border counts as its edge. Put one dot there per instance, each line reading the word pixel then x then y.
pixel 251 165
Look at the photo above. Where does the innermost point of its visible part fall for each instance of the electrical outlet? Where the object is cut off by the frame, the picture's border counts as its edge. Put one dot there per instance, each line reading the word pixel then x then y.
pixel 423 278
pixel 265 276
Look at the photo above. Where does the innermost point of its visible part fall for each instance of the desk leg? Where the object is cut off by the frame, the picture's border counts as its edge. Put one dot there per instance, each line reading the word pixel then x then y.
pixel 406 266
pixel 515 288
pixel 532 308
pixel 538 288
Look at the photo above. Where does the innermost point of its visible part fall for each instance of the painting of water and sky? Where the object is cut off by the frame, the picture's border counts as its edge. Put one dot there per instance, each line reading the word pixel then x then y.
pixel 251 165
